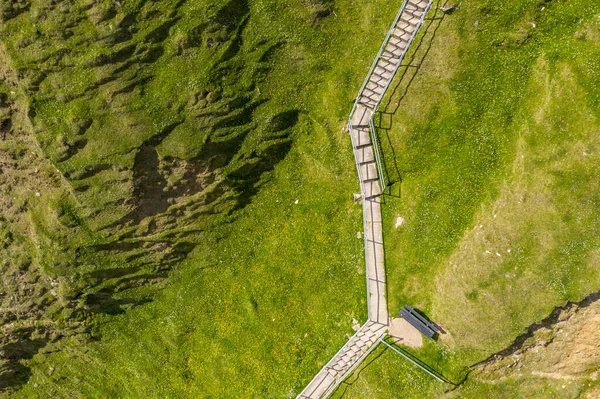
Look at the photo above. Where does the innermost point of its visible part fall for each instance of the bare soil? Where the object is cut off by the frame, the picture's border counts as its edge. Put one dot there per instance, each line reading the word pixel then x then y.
pixel 405 334
pixel 565 346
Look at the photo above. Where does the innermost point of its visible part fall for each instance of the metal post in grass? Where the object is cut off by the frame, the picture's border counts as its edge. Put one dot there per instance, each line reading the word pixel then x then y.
pixel 416 363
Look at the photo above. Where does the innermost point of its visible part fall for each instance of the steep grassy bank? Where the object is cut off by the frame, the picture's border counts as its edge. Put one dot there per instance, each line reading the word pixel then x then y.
pixel 201 238
pixel 493 142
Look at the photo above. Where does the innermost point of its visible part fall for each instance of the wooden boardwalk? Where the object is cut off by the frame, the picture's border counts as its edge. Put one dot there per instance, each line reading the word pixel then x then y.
pixel 355 350
pixel 403 30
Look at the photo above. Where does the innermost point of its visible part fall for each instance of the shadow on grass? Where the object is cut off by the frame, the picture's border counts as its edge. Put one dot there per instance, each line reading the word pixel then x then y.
pixel 403 80
pixel 342 390
pixel 15 374
pixel 343 387
pixel 383 120
pixel 546 323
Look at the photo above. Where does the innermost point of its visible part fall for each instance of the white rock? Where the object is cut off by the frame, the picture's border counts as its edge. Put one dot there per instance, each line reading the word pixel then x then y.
pixel 37 194
pixel 296 202
pixel 399 222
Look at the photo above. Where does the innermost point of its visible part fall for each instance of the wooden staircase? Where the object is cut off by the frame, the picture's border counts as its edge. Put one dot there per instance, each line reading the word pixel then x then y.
pixel 372 183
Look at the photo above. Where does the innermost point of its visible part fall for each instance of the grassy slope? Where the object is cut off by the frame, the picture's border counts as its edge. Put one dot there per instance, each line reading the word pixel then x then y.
pixel 267 299
pixel 235 322
pixel 496 144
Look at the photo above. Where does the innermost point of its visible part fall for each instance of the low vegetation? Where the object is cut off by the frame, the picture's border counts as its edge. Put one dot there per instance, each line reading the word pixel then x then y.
pixel 177 212
pixel 491 138
pixel 191 231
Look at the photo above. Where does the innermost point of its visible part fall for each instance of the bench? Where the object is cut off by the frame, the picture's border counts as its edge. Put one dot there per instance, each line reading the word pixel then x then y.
pixel 419 322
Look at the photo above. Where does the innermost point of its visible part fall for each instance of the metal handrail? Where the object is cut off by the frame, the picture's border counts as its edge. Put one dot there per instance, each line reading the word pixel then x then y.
pixel 362 193
pixel 398 351
pixel 364 326
pixel 372 134
pixel 378 161
pixel 372 131
pixel 376 152
pixel 385 41
pixel 412 36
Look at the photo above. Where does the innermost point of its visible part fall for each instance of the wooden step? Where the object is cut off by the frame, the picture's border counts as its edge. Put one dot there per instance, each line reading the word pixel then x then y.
pixel 417 4
pixel 376 83
pixel 366 162
pixel 381 70
pixel 379 79
pixel 396 47
pixel 399 41
pixel 369 105
pixel 370 94
pixel 402 34
pixel 390 55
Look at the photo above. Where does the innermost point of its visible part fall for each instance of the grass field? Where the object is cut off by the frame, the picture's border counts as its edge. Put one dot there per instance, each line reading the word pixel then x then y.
pixel 492 143
pixel 271 289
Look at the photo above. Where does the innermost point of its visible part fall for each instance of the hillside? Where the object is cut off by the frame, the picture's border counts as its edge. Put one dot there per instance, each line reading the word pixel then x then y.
pixel 165 163
pixel 491 139
pixel 177 197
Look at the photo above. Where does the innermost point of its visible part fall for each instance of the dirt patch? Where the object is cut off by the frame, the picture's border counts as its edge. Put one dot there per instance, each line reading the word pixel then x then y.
pixel 405 334
pixel 564 346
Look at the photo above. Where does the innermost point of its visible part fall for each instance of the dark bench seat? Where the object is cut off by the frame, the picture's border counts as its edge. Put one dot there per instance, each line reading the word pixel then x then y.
pixel 424 326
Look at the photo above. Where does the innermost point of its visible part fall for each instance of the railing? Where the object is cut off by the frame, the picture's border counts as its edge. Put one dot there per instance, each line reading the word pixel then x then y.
pixel 362 192
pixel 413 361
pixel 376 151
pixel 354 366
pixel 336 382
pixel 372 132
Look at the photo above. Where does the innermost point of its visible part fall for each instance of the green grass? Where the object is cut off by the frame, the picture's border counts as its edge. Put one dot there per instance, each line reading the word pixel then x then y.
pixel 491 132
pixel 496 148
pixel 271 291
pixel 253 312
